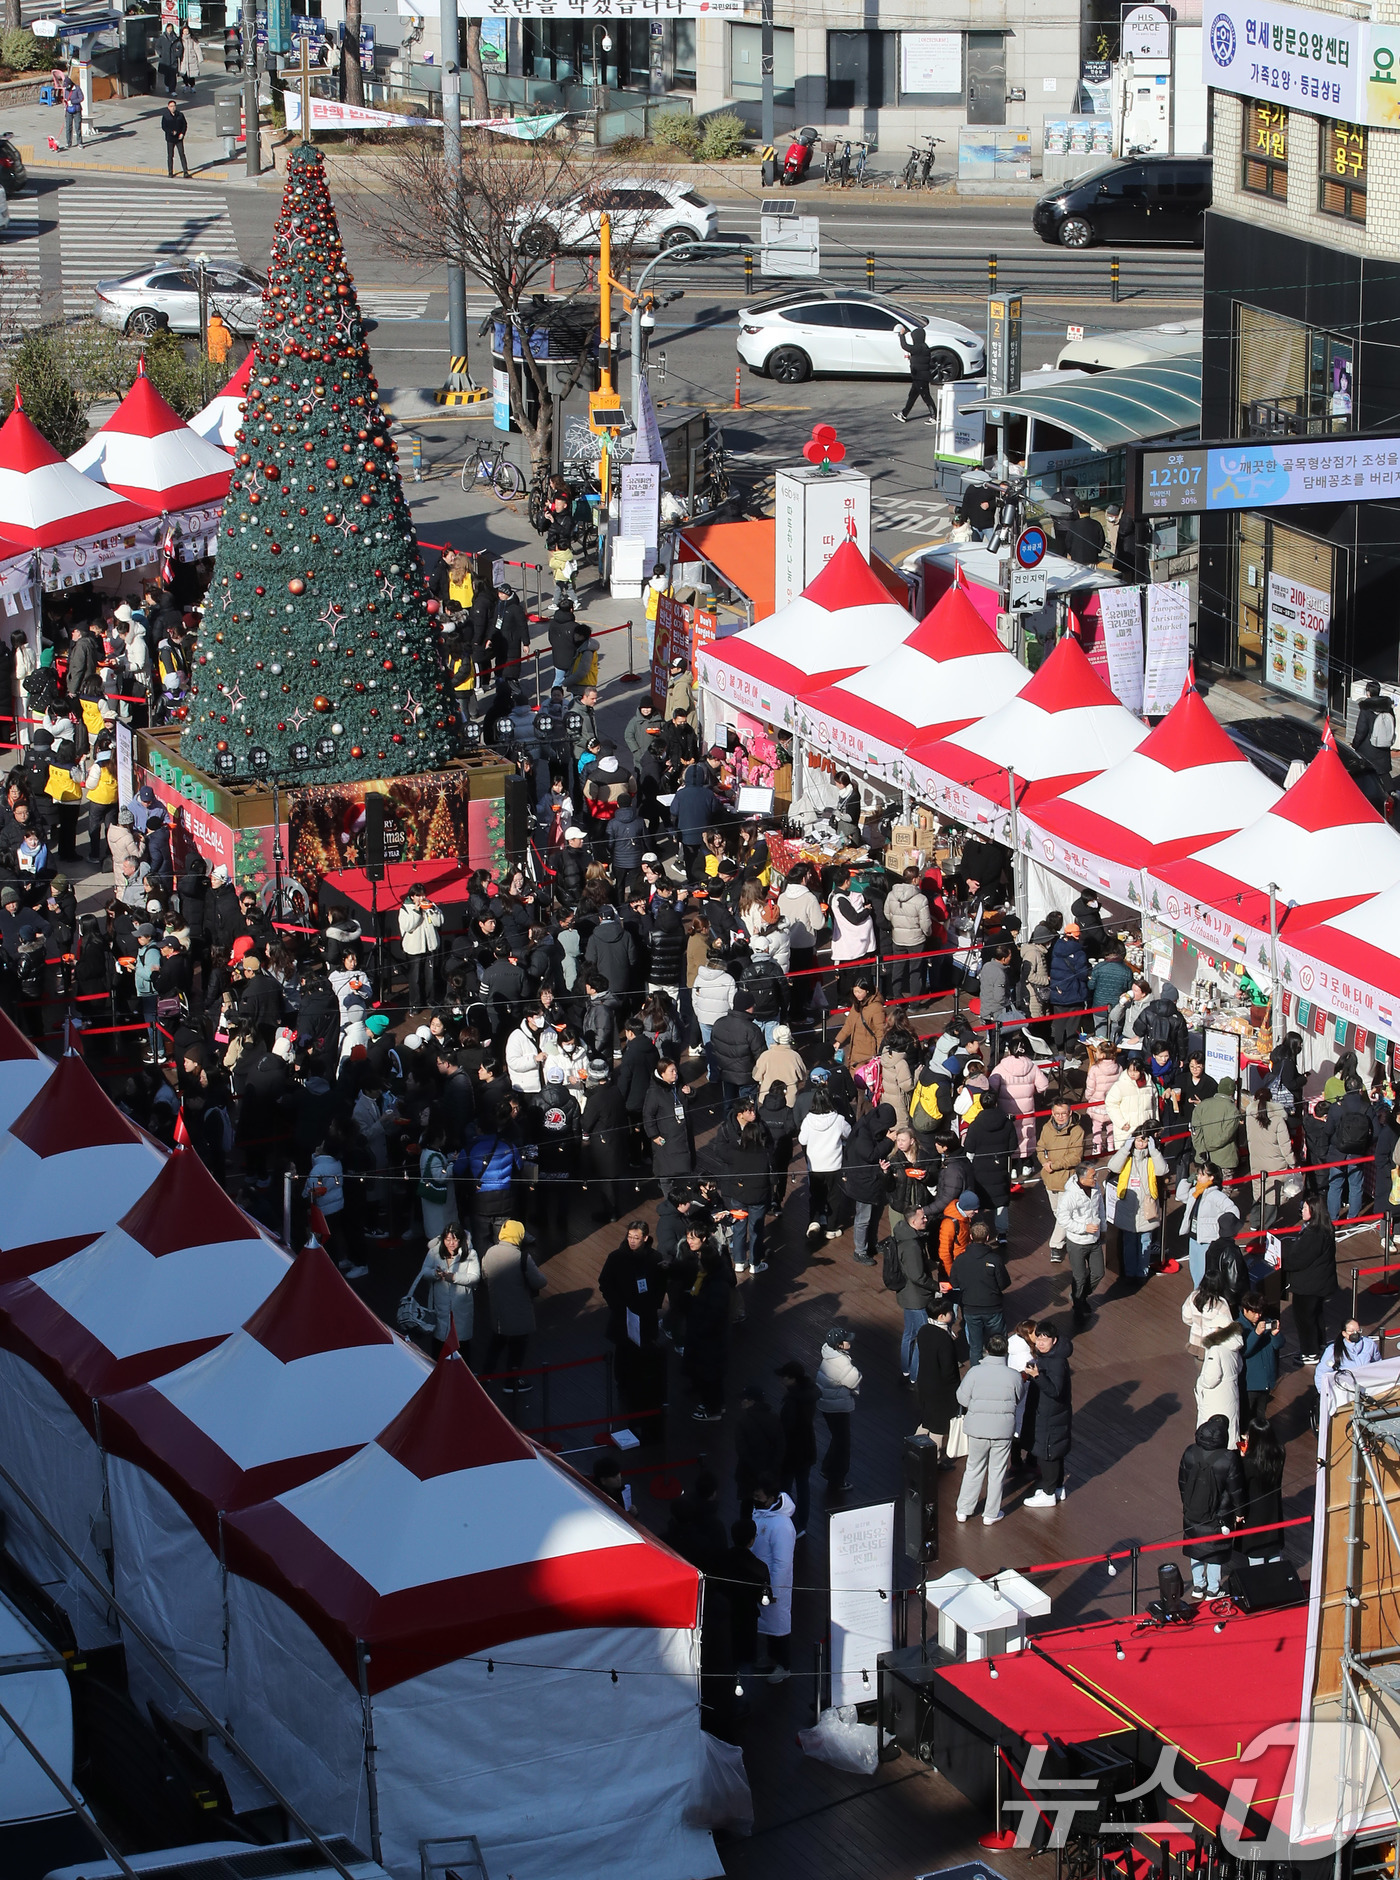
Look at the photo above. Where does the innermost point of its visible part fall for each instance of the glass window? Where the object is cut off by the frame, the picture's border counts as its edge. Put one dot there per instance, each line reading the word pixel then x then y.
pixel 819 313
pixel 746 64
pixel 1265 167
pixel 1291 380
pixel 860 70
pixel 870 319
pixel 174 283
pixel 1342 186
pixel 685 55
pixel 1126 185
pixel 1284 585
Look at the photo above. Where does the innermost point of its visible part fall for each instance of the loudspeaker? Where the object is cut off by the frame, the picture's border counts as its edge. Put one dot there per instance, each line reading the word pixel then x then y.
pixel 920 1474
pixel 904 1686
pixel 1260 1589
pixel 517 816
pixel 374 836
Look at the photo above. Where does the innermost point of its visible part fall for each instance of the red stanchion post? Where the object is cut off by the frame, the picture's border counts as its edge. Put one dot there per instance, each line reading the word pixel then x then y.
pixel 629 677
pixel 738 389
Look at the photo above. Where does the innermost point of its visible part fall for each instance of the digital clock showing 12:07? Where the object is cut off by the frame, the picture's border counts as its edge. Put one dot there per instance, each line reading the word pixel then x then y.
pixel 1173 480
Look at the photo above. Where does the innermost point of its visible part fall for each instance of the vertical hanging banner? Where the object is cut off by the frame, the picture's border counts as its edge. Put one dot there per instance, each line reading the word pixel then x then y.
pixel 862 1612
pixel 1121 613
pixel 1168 646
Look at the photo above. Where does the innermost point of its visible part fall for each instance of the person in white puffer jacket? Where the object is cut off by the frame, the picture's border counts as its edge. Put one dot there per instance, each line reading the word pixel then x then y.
pixel 911 927
pixel 838 1383
pixel 711 996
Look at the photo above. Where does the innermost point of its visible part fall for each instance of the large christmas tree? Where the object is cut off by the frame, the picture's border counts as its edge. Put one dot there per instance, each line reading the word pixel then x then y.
pixel 318 655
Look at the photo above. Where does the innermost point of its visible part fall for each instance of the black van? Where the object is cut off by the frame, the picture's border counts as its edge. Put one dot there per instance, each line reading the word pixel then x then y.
pixel 1151 199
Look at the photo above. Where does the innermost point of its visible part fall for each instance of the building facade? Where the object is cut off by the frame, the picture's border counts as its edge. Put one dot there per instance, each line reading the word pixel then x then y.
pixel 1302 338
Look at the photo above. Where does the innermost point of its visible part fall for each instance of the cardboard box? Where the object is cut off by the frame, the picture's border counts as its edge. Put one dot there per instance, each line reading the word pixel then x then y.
pixel 902 836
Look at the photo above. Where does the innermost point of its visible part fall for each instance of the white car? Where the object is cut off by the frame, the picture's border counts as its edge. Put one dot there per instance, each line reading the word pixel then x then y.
pixel 847 333
pixel 642 213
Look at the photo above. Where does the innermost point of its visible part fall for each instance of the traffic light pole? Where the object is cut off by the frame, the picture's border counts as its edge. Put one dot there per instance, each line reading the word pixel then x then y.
pixel 252 137
pixel 452 158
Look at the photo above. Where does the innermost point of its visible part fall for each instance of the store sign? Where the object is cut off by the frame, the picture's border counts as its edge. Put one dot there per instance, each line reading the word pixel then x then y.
pixel 1297 629
pixel 1218 932
pixel 861 1542
pixel 1342 993
pixel 588 10
pixel 1287 53
pixel 639 503
pixel 1147 33
pixel 1051 851
pixel 930 62
pixel 1120 612
pixel 1272 475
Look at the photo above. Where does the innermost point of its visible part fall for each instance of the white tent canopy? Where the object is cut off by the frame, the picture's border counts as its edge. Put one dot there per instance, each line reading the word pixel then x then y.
pixel 146 451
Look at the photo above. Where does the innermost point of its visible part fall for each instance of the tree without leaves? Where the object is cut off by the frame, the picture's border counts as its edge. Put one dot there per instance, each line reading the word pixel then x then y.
pixel 420 215
pixel 352 76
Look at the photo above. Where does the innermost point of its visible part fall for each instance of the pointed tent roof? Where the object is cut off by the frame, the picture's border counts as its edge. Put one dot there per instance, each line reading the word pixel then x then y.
pixel 23 1070
pixel 181 1269
pixel 310 1378
pixel 1363 946
pixel 44 500
pixel 1064 727
pixel 1186 784
pixel 147 452
pixel 842 620
pixel 223 415
pixel 950 671
pixel 69 1162
pixel 1322 844
pixel 478 1538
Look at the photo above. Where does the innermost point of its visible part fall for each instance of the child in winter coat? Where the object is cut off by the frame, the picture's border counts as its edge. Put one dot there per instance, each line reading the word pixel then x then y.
pixel 1099 1079
pixel 1016 1083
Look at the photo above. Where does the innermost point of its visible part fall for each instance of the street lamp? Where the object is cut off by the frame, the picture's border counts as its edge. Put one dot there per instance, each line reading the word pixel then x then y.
pixel 599 88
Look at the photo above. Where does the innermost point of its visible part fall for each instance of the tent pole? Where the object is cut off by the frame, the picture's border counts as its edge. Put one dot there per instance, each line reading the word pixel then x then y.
pixel 1275 997
pixel 1018 871
pixel 371 1777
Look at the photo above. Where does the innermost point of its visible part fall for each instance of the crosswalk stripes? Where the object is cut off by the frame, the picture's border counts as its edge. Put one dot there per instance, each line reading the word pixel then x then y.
pixel 19 265
pixel 386 306
pixel 115 228
pixel 913 517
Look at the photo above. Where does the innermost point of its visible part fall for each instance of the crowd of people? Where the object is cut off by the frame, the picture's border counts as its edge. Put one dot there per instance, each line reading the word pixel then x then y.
pixel 650 1014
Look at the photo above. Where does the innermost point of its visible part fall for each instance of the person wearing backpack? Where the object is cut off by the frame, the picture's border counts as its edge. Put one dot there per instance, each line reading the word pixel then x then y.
pixel 930 1104
pixel 147 1000
pixel 863 1176
pixel 1215 1128
pixel 906 1273
pixel 1350 1133
pixel 980 1276
pixel 1211 1483
pixel 1160 1026
pixel 1374 737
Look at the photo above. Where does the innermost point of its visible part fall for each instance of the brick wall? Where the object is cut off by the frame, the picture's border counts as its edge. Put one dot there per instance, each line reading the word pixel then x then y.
pixel 1299 215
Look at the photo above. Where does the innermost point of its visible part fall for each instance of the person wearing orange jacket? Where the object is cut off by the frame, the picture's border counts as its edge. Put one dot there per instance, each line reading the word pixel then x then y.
pixel 953 1229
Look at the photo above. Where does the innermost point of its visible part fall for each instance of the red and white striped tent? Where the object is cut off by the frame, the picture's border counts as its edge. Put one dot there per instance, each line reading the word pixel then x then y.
pixel 44 501
pixel 147 452
pixel 1062 728
pixel 23 1071
pixel 222 418
pixel 529 1658
pixel 1186 784
pixel 180 1270
pixel 841 622
pixel 1350 964
pixel 310 1378
pixel 950 671
pixel 1321 845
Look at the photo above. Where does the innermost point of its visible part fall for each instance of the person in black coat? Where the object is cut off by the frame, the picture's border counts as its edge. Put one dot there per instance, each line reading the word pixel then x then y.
pixel 739 1161
pixel 510 634
pixel 779 1125
pixel 979 1274
pixel 798 1415
pixel 666 940
pixel 736 1045
pixel 707 1333
pixel 695 1530
pixel 260 1001
pixel 566 636
pixel 759 1442
pixel 633 1286
pixel 1068 989
pixel 937 1380
pixel 635 1068
pixel 666 1123
pixel 1214 1496
pixel 864 1175
pixel 607 1136
pixel 745 1580
pixel 193 888
pixel 1047 1423
pixel 1310 1268
pixel 990 1144
pixel 1263 1480
pixel 223 920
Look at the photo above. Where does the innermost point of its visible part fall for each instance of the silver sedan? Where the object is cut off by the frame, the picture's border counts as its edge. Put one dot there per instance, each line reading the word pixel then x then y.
pixel 168 296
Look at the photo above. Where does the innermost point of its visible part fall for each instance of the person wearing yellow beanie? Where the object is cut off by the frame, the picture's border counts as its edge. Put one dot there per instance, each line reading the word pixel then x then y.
pixel 512 1281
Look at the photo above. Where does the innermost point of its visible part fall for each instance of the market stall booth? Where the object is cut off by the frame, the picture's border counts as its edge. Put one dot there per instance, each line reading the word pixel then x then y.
pixel 1347 969
pixel 951 670
pixel 222 418
pixel 1062 728
pixel 1185 785
pixel 842 621
pixel 181 1268
pixel 523 1658
pixel 1213 919
pixel 147 453
pixel 309 1378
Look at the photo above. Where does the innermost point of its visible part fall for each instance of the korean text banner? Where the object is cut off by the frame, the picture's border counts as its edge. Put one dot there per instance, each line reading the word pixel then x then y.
pixel 599 10
pixel 1285 53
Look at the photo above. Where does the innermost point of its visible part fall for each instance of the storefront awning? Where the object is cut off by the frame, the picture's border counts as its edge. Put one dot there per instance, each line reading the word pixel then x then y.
pixel 1124 406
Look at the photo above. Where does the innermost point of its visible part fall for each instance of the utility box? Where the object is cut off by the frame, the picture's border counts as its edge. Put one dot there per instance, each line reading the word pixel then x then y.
pixel 228 114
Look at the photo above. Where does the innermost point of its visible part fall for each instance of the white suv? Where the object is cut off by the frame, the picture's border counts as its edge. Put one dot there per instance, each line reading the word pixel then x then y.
pixel 642 213
pixel 847 333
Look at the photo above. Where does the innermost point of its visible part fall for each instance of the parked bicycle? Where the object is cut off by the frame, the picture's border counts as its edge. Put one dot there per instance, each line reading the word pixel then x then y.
pixel 862 158
pixel 841 167
pixel 485 463
pixel 918 171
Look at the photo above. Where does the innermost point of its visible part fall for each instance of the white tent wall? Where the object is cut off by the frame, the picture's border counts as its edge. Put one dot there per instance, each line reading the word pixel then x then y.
pixel 169 1580
pixel 560 1773
pixel 293 1708
pixel 59 1467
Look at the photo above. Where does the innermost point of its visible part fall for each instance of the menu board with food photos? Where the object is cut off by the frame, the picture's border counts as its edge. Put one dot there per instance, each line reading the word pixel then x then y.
pixel 1296 648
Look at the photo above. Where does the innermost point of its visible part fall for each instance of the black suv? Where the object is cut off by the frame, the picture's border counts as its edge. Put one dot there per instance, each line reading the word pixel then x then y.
pixel 1151 199
pixel 13 175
